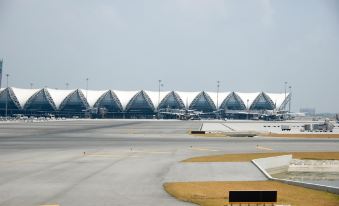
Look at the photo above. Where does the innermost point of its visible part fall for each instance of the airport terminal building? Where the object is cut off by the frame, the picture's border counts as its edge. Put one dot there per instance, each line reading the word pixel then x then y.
pixel 136 104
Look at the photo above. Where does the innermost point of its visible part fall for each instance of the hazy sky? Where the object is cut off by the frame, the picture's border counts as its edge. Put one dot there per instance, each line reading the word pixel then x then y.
pixel 249 45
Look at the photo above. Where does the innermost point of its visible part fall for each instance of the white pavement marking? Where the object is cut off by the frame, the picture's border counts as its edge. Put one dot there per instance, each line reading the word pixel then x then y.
pixel 263 148
pixel 50 205
pixel 203 149
pixel 216 127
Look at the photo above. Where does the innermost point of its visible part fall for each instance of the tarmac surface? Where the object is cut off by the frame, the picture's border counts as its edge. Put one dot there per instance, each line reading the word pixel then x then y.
pixel 117 162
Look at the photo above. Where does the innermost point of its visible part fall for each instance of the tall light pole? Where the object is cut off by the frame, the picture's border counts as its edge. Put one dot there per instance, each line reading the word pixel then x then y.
pixel 67 84
pixel 159 93
pixel 86 87
pixel 285 95
pixel 31 84
pixel 248 109
pixel 87 108
pixel 159 97
pixel 7 75
pixel 218 86
pixel 289 102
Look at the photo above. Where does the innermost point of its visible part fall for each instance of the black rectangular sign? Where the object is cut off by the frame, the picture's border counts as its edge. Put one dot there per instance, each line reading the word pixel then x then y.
pixel 253 196
pixel 198 132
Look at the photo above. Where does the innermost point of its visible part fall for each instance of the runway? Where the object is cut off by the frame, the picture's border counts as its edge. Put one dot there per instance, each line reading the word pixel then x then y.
pixel 111 162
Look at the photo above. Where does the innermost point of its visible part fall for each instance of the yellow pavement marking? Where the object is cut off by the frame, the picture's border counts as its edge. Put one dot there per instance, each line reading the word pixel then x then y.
pixel 203 149
pixel 263 148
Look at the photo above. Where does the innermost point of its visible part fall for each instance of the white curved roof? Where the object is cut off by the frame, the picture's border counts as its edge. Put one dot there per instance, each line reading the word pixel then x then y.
pixel 277 98
pixel 154 96
pixel 248 96
pixel 187 97
pixel 92 95
pixel 125 96
pixel 23 95
pixel 221 97
pixel 58 95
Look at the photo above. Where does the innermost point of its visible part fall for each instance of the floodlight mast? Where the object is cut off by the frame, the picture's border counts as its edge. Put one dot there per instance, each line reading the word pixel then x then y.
pixel 86 87
pixel 7 75
pixel 87 107
pixel 285 94
pixel 290 99
pixel 248 109
pixel 218 86
pixel 158 107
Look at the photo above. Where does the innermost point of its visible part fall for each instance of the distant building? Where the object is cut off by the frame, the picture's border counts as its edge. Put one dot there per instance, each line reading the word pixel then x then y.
pixel 308 111
pixel 134 104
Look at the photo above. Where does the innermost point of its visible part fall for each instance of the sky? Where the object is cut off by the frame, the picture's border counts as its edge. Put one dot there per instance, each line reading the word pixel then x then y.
pixel 248 45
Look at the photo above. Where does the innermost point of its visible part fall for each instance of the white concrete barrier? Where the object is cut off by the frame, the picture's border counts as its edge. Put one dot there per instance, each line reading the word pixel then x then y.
pixel 274 165
pixel 267 164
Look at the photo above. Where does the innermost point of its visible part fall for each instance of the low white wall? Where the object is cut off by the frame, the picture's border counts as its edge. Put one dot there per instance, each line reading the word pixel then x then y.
pixel 266 164
pixel 314 166
pixel 276 164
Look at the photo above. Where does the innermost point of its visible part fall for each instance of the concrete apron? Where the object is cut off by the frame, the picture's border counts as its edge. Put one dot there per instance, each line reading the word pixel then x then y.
pixel 214 171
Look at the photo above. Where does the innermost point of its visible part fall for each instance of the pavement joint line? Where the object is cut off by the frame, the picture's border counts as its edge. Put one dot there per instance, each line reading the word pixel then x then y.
pixel 230 128
pixel 107 155
pixel 203 149
pixel 264 148
pixel 151 152
pixel 126 153
pixel 51 205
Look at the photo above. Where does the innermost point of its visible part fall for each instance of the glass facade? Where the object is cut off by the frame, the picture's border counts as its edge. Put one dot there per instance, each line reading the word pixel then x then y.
pixel 74 103
pixel 11 106
pixel 171 101
pixel 39 102
pixel 203 103
pixel 109 102
pixel 233 102
pixel 140 103
pixel 262 102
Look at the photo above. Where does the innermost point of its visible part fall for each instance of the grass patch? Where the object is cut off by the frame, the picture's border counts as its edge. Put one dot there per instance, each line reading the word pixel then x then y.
pixel 250 156
pixel 216 193
pixel 211 135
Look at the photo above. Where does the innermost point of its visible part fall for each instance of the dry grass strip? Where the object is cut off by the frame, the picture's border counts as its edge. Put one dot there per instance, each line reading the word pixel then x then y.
pixel 250 156
pixel 216 193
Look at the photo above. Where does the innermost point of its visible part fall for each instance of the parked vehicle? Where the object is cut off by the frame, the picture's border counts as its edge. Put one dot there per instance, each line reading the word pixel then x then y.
pixel 285 128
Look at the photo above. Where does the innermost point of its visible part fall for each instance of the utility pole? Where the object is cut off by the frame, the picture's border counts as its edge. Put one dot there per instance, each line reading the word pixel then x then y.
pixel 86 87
pixel 285 95
pixel 158 107
pixel 248 109
pixel 289 103
pixel 31 84
pixel 86 111
pixel 7 75
pixel 67 84
pixel 218 86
